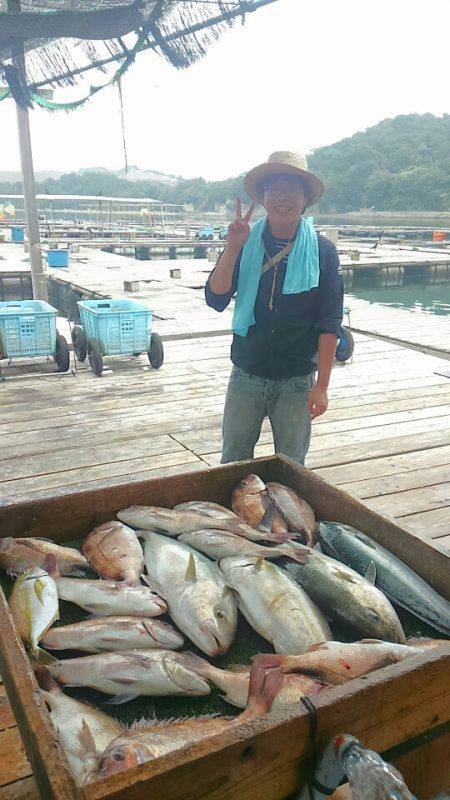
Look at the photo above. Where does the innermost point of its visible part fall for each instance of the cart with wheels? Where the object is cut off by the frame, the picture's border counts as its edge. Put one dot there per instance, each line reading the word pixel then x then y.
pixel 28 329
pixel 115 327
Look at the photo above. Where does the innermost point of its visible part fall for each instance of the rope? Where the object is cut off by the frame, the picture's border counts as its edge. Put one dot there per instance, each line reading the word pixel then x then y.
pixel 122 119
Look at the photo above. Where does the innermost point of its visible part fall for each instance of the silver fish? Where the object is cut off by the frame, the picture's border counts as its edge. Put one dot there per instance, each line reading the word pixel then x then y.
pixel 131 673
pixel 198 600
pixel 108 598
pixel 17 555
pixel 173 523
pixel 274 605
pixel 344 595
pixel 113 633
pixel 400 583
pixel 34 605
pixel 219 544
pixel 84 731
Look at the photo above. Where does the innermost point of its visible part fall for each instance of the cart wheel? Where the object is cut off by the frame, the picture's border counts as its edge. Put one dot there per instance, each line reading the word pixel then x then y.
pixel 94 353
pixel 79 342
pixel 61 356
pixel 346 345
pixel 156 352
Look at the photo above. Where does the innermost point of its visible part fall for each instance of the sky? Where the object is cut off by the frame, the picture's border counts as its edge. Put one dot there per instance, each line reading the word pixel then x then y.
pixel 298 75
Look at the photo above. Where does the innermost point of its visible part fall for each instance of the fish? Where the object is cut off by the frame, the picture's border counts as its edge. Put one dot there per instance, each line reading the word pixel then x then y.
pixel 34 606
pixel 84 731
pixel 18 555
pixel 146 741
pixel 235 683
pixel 173 523
pixel 339 662
pixel 198 600
pixel 113 550
pixel 113 633
pixel 108 598
pixel 400 583
pixel 219 544
pixel 251 501
pixel 274 605
pixel 297 512
pixel 343 595
pixel 130 673
pixel 207 507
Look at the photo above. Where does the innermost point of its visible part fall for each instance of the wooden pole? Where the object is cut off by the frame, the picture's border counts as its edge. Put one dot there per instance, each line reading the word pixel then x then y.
pixel 38 280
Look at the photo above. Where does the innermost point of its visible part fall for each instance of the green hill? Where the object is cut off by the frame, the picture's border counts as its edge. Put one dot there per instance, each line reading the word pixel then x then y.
pixel 401 164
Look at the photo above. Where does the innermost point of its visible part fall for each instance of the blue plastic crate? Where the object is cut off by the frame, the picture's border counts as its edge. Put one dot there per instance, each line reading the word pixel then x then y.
pixel 27 328
pixel 120 326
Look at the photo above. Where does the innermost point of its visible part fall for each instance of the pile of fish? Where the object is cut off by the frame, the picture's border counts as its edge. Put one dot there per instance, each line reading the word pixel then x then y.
pixel 200 564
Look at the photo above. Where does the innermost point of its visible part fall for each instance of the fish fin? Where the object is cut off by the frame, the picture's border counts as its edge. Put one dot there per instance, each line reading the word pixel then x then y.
pixel 266 523
pixel 125 681
pixel 39 656
pixel 258 564
pixel 269 660
pixel 39 586
pixel 118 699
pixel 370 573
pixel 318 548
pixel 295 552
pixel 228 700
pixel 86 743
pixel 191 573
pixel 263 688
pixel 227 591
pixel 77 572
pixel 316 646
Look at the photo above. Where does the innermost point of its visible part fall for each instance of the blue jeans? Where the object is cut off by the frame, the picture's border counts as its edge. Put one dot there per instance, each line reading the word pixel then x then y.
pixel 249 399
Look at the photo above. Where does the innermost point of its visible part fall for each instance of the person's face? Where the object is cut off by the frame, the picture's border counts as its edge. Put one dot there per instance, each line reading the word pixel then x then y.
pixel 284 198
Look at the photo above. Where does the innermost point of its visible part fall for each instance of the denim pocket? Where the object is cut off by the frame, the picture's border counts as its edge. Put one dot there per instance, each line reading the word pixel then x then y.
pixel 237 375
pixel 301 383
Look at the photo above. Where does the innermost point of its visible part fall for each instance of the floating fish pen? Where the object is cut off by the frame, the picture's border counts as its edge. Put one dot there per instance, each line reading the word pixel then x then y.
pixel 400 710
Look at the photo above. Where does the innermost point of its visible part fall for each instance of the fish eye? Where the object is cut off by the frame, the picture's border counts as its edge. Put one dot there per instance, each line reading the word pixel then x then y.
pixel 220 614
pixel 118 756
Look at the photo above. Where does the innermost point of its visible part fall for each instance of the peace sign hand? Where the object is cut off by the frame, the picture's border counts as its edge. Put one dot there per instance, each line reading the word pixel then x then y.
pixel 239 229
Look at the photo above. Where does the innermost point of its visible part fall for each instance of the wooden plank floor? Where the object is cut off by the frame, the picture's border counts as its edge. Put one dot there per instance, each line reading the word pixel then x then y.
pixel 385 439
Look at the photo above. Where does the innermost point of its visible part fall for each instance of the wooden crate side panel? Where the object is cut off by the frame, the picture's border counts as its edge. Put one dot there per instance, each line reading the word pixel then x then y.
pixel 75 514
pixel 270 757
pixel 39 736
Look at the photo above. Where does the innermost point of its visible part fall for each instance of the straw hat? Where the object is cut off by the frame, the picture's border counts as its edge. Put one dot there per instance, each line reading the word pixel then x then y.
pixel 283 162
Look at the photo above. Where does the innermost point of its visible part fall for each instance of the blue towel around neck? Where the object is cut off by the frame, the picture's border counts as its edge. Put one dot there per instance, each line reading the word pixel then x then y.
pixel 302 270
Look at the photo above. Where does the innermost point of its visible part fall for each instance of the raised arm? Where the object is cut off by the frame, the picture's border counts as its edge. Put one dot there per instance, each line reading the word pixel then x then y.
pixel 238 233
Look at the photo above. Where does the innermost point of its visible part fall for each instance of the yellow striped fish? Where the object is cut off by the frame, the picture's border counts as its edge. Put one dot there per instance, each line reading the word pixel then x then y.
pixel 34 605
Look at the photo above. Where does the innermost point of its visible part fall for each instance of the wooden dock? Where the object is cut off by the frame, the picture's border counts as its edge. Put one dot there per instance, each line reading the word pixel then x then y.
pixel 385 439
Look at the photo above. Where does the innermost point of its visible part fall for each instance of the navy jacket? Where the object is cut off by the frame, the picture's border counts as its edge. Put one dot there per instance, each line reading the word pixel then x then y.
pixel 284 341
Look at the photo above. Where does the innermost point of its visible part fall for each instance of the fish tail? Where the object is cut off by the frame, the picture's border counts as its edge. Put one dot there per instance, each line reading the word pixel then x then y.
pixel 273 661
pixel 45 680
pixel 296 551
pixel 263 688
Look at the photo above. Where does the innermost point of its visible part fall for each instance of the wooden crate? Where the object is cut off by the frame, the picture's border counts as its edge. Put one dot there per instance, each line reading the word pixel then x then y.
pixel 401 706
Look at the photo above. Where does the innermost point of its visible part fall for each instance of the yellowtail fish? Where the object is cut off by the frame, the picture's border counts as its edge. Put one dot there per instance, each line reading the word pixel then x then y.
pixel 34 605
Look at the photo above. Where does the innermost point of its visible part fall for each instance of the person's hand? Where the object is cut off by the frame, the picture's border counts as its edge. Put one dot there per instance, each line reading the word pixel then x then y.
pixel 317 401
pixel 239 229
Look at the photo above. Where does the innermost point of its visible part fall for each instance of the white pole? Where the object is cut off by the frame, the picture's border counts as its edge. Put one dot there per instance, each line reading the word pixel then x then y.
pixel 38 280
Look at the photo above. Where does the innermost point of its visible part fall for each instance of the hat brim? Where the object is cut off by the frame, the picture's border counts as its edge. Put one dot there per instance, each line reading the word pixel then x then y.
pixel 254 180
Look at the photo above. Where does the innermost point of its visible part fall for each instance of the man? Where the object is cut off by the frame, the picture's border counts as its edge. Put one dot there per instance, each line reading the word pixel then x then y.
pixel 288 312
